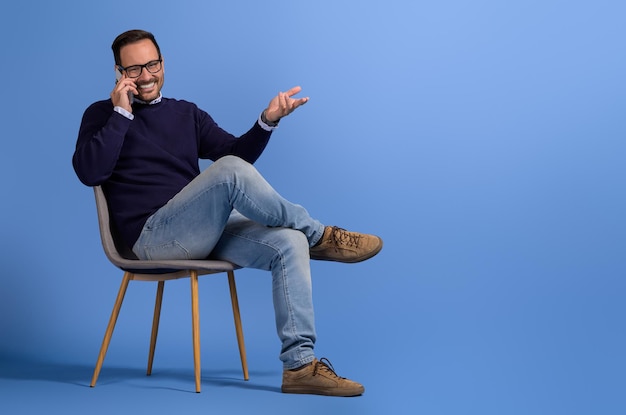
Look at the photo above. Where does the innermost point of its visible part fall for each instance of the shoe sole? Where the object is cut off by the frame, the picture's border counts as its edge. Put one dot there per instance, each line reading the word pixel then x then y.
pixel 304 390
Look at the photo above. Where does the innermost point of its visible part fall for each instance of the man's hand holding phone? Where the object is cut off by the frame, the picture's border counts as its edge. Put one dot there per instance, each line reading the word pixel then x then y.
pixel 122 94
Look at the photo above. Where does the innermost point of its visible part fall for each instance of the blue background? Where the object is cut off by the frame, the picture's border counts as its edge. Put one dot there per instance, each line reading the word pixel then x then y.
pixel 483 140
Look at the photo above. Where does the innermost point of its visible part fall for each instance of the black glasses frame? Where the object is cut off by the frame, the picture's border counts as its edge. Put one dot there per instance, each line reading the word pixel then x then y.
pixel 140 67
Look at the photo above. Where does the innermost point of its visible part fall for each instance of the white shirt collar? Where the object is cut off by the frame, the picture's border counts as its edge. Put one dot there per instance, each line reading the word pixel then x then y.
pixel 154 101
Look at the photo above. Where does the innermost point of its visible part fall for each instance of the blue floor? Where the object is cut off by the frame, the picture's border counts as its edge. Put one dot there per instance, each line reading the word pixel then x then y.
pixel 31 387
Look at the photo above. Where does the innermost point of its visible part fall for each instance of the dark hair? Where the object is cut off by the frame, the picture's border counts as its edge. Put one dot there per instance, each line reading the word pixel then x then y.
pixel 129 37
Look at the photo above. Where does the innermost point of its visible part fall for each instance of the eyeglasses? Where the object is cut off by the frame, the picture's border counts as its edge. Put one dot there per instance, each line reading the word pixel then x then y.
pixel 134 71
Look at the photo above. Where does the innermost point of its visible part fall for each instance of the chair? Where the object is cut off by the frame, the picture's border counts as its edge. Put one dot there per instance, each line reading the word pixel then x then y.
pixel 161 271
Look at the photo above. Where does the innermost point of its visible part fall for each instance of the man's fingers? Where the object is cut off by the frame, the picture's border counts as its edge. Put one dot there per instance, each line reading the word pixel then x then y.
pixel 282 104
pixel 301 101
pixel 296 102
pixel 120 94
pixel 293 91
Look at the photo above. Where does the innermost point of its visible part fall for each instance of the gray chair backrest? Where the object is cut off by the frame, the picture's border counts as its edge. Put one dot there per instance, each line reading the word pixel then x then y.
pixel 115 250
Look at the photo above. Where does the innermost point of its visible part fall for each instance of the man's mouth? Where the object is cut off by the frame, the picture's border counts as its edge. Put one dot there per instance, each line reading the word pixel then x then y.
pixel 147 86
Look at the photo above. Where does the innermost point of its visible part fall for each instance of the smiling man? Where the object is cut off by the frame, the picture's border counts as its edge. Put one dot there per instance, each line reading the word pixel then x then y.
pixel 143 80
pixel 143 149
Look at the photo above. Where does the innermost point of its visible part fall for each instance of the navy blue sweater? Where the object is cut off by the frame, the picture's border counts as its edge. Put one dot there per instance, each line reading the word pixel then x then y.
pixel 142 163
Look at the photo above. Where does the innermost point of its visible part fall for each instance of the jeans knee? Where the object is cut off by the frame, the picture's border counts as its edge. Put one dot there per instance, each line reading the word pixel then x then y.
pixel 232 163
pixel 232 168
pixel 294 240
pixel 288 244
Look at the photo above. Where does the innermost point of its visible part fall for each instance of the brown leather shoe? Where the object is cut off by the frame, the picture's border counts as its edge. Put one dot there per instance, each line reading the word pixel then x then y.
pixel 319 378
pixel 342 246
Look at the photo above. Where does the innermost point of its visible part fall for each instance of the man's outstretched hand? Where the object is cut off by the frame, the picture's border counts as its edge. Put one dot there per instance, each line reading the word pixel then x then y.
pixel 283 104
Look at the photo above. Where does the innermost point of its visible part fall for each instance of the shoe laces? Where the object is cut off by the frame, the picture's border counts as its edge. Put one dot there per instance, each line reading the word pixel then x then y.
pixel 324 365
pixel 339 236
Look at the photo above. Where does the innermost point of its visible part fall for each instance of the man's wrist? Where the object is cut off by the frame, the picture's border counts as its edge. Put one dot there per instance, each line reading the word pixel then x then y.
pixel 268 122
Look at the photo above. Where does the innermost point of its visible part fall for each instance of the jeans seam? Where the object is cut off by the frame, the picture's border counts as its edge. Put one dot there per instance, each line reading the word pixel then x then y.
pixel 292 327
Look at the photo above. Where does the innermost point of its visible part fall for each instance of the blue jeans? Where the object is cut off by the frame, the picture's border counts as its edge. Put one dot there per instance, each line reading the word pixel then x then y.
pixel 230 212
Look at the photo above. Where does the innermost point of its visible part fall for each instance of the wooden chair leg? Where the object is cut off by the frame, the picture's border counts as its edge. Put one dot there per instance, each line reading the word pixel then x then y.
pixel 238 328
pixel 155 325
pixel 109 331
pixel 195 327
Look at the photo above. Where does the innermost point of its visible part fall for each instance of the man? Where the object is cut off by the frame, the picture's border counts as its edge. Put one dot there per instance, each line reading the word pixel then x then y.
pixel 143 149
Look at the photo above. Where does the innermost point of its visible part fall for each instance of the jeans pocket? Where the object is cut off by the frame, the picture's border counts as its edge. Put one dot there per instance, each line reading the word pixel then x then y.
pixel 170 250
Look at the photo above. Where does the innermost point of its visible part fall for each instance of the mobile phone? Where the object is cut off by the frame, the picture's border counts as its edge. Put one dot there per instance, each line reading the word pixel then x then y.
pixel 118 76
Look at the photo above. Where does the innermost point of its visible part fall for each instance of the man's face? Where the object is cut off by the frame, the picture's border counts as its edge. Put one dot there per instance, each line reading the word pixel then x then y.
pixel 140 53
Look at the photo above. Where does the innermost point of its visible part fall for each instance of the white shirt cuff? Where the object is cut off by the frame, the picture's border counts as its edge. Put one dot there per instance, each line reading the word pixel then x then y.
pixel 125 113
pixel 265 126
